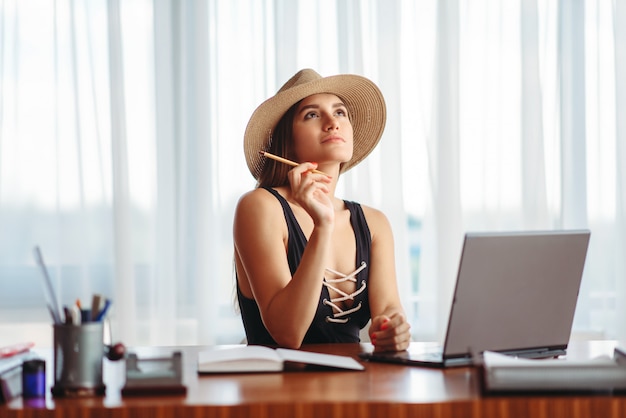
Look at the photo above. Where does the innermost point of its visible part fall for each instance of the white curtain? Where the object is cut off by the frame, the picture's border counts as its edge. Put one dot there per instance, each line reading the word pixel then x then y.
pixel 121 126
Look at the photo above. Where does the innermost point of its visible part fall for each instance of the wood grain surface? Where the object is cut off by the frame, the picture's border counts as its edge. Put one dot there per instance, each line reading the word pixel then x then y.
pixel 382 390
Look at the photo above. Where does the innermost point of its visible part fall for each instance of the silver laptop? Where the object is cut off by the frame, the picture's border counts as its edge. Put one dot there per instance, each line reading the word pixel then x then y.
pixel 515 293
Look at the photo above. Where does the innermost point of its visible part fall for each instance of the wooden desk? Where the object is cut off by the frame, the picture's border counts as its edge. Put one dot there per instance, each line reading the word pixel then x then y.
pixel 383 390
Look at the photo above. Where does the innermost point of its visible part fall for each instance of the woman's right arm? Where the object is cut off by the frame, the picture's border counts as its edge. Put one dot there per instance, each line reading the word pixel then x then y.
pixel 287 304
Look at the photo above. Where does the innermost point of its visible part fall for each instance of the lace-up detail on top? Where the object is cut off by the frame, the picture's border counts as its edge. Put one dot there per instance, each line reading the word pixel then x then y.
pixel 339 315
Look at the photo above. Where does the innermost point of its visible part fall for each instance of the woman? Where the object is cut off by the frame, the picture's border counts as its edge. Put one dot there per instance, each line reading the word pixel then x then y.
pixel 312 268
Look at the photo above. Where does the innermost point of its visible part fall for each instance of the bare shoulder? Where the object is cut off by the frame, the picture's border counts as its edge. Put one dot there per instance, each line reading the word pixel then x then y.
pixel 257 201
pixel 375 216
pixel 255 197
pixel 257 206
pixel 377 221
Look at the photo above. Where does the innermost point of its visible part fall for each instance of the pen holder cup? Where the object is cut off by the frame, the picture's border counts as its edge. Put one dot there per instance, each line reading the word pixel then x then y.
pixel 78 354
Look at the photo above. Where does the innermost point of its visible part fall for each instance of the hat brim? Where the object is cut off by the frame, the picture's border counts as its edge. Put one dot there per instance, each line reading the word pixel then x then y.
pixel 361 96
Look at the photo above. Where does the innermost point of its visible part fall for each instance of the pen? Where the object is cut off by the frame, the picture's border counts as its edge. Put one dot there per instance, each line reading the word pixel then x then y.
pixel 286 161
pixel 84 314
pixel 75 315
pixel 53 315
pixel 95 305
pixel 14 349
pixel 69 318
pixel 51 297
pixel 100 316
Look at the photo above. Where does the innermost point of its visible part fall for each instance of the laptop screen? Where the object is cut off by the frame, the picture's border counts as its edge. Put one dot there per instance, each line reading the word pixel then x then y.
pixel 516 291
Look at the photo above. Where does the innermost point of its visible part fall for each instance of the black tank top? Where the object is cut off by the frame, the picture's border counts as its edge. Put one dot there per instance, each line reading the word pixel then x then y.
pixel 322 330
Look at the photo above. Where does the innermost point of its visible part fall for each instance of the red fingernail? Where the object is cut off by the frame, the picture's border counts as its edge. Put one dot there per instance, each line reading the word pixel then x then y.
pixel 383 326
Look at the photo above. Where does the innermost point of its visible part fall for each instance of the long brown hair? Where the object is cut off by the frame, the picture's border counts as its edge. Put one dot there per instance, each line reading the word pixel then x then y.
pixel 274 173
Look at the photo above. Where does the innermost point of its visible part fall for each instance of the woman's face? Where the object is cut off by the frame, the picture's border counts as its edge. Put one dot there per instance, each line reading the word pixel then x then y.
pixel 322 131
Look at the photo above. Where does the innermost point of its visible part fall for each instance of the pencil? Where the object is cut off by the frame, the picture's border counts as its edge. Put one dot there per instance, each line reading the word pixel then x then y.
pixel 286 161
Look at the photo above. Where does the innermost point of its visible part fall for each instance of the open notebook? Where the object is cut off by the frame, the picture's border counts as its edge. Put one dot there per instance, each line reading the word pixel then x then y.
pixel 516 293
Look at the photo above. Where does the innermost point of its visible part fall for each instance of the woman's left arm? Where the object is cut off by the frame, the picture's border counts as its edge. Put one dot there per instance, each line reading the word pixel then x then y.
pixel 389 330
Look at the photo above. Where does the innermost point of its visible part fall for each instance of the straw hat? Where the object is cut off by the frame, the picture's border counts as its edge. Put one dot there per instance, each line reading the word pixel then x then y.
pixel 362 97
